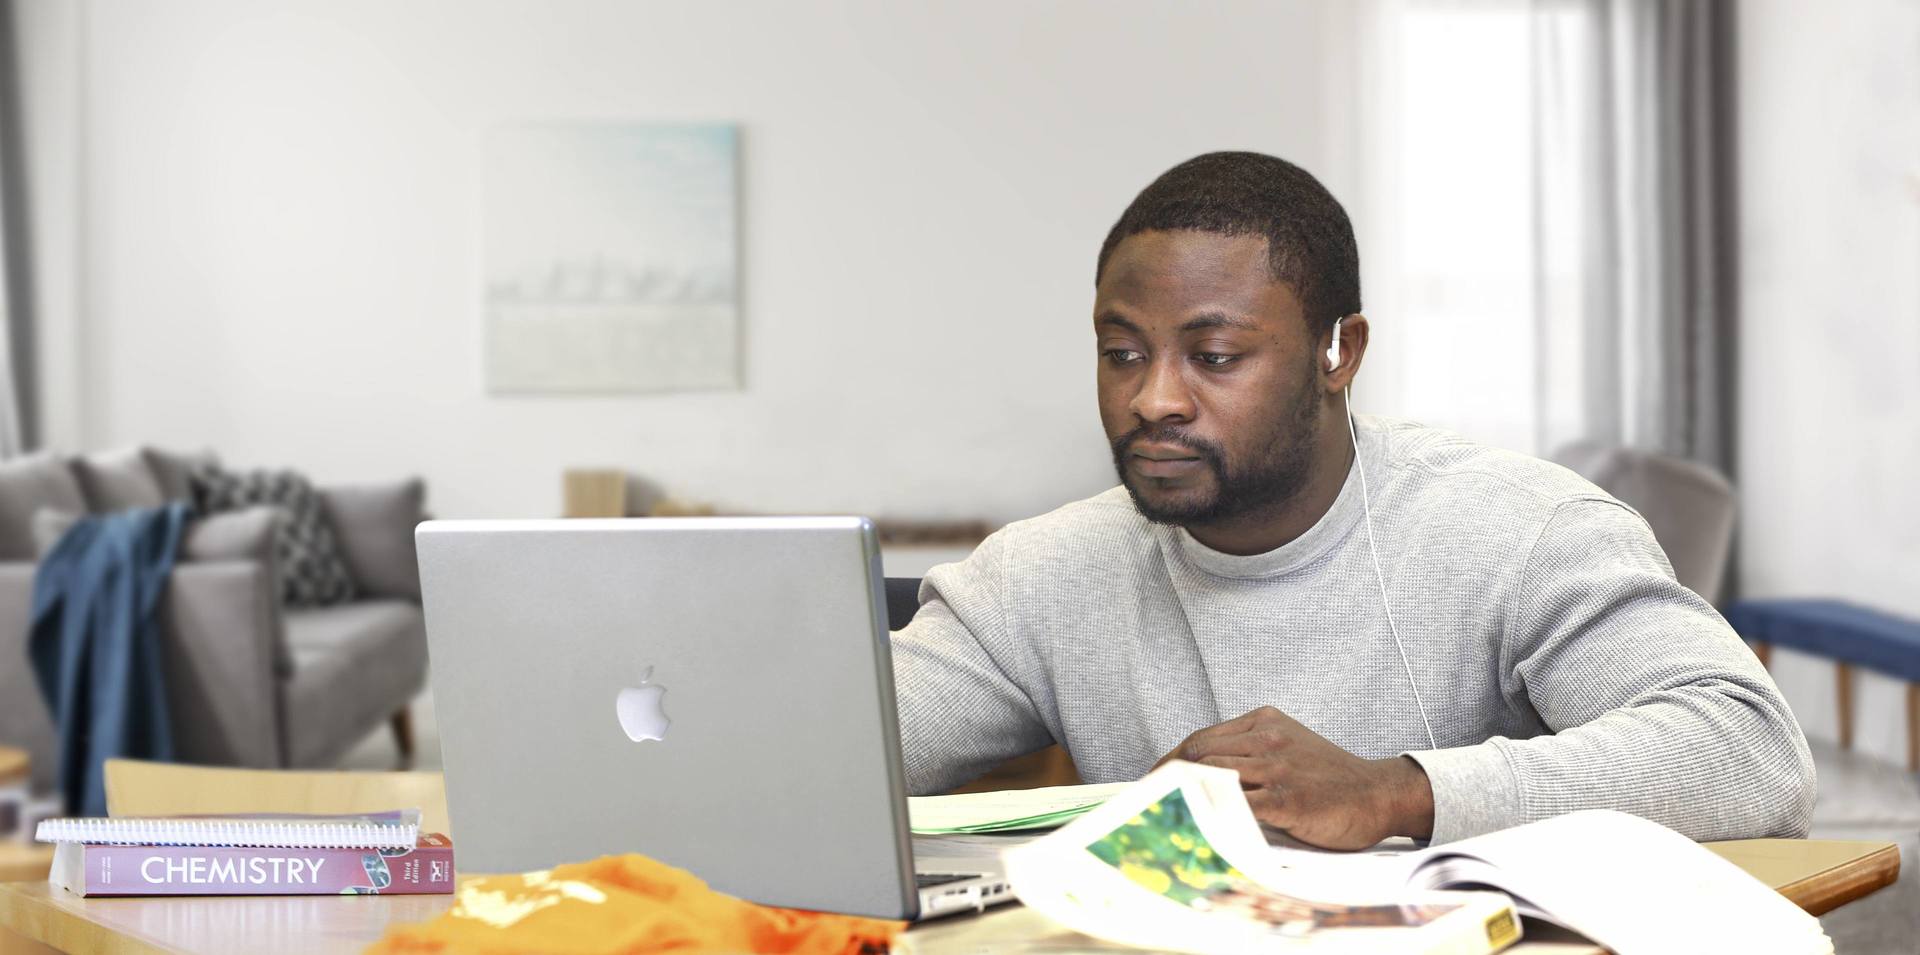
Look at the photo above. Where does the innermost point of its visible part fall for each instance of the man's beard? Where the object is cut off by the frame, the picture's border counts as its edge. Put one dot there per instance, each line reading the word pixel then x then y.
pixel 1275 473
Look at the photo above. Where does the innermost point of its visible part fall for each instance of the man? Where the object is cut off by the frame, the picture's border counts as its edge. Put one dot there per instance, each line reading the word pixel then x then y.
pixel 1426 638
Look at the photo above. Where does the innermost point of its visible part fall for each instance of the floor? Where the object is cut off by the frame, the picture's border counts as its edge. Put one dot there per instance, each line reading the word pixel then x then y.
pixel 1866 798
pixel 379 751
pixel 1860 798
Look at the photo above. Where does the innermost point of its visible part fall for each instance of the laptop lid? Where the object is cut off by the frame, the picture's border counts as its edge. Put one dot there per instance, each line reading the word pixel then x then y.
pixel 755 649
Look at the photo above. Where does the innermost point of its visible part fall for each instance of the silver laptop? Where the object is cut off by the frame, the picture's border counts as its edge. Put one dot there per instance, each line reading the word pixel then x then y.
pixel 716 693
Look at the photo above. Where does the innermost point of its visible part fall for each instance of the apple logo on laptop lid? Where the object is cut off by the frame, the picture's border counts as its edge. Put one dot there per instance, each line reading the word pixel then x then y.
pixel 642 715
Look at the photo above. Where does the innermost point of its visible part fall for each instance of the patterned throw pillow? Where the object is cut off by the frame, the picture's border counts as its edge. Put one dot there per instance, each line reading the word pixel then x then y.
pixel 308 559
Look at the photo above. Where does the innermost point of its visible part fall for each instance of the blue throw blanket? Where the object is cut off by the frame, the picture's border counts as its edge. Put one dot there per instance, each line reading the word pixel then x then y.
pixel 96 644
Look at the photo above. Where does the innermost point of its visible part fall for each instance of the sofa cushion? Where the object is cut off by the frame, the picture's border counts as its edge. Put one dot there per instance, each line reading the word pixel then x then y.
pixel 374 523
pixel 49 525
pixel 306 555
pixel 118 480
pixel 24 720
pixel 27 484
pixel 248 534
pixel 174 470
pixel 245 534
pixel 354 665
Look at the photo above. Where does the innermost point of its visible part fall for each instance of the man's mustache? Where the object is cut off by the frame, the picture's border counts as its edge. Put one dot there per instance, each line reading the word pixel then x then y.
pixel 1205 450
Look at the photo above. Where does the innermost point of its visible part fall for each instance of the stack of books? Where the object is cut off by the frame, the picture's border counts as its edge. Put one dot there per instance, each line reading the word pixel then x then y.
pixel 371 854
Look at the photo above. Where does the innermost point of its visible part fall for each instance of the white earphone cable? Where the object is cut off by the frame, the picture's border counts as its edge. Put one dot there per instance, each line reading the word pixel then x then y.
pixel 1381 578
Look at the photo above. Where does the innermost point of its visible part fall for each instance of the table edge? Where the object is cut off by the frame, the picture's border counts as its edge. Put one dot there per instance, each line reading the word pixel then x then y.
pixel 41 918
pixel 1877 870
pixel 38 918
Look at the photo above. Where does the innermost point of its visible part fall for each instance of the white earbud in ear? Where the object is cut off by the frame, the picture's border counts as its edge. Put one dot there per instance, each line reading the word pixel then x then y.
pixel 1333 351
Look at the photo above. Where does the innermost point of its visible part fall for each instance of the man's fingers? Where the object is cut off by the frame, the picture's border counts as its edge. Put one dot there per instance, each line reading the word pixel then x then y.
pixel 1277 836
pixel 1250 734
pixel 1218 742
pixel 1249 768
pixel 1269 805
pixel 1264 716
pixel 1266 736
pixel 1234 737
pixel 1190 748
pixel 1247 719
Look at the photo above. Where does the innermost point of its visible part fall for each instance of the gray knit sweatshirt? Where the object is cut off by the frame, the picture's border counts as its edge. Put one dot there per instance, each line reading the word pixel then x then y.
pixel 1562 666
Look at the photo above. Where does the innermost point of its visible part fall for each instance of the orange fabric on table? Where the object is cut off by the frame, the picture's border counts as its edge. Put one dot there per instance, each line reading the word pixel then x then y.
pixel 625 904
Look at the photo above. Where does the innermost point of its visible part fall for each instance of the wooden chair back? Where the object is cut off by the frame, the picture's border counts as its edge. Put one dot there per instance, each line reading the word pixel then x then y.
pixel 139 788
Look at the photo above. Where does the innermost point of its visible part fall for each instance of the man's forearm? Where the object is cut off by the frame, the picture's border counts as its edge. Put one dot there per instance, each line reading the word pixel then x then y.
pixel 1698 762
pixel 1405 796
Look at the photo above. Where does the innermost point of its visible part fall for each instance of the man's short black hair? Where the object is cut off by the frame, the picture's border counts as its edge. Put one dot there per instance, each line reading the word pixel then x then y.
pixel 1309 240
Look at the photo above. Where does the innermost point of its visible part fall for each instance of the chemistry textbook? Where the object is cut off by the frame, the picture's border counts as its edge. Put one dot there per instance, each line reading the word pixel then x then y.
pixel 368 854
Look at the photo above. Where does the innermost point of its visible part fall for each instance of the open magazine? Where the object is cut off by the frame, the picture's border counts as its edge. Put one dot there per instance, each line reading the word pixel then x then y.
pixel 1177 861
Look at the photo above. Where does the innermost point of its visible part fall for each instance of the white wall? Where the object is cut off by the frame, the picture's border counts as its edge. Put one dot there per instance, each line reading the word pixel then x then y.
pixel 1830 304
pixel 261 231
pixel 282 231
pixel 50 65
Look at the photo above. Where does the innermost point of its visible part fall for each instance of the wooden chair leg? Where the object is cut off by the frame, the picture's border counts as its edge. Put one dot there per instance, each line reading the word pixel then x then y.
pixel 1913 727
pixel 1765 652
pixel 403 735
pixel 1843 691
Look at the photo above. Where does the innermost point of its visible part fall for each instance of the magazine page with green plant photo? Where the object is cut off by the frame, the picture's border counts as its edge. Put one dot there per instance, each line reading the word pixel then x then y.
pixel 1177 862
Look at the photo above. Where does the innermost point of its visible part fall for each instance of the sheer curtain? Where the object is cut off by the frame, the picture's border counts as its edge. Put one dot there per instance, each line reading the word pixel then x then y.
pixel 1549 223
pixel 1632 134
pixel 16 290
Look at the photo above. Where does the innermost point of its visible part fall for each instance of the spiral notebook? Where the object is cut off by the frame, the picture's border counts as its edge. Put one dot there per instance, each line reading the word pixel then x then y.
pixel 398 829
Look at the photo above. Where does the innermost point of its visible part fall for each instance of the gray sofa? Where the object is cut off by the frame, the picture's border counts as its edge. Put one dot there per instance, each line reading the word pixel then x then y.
pixel 251 683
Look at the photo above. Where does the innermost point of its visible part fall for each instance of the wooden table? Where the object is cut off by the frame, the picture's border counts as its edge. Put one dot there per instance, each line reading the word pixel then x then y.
pixel 1817 875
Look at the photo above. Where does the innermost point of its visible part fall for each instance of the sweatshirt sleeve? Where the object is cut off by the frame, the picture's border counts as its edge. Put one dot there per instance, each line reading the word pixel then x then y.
pixel 961 714
pixel 1656 707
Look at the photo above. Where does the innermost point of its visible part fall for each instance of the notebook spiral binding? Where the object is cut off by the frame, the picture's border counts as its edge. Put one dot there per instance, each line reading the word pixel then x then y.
pixel 395 830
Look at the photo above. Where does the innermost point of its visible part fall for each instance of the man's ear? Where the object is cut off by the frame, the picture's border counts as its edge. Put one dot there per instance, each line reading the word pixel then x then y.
pixel 1353 331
